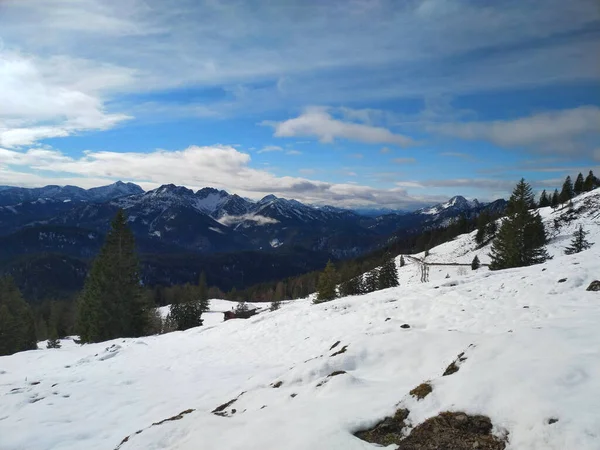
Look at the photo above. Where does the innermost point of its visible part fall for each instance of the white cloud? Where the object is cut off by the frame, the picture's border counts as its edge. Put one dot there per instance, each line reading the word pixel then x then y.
pixel 34 106
pixel 222 167
pixel 293 152
pixel 553 131
pixel 318 122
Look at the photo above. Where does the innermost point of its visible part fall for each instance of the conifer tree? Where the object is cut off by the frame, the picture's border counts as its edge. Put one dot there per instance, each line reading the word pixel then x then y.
pixel 402 262
pixel 521 239
pixel 111 304
pixel 567 192
pixel 371 280
pixel 186 311
pixel 203 291
pixel 275 305
pixel 475 264
pixel 326 288
pixel 388 275
pixel 350 281
pixel 17 328
pixel 555 199
pixel 590 183
pixel 53 341
pixel 579 243
pixel 544 200
pixel 578 186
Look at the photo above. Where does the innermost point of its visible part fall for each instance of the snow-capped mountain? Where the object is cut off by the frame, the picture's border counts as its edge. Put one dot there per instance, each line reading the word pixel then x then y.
pixel 10 196
pixel 171 221
pixel 455 204
pixel 511 355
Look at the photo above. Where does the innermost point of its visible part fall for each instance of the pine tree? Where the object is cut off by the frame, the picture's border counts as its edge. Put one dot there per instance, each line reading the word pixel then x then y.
pixel 388 275
pixel 579 243
pixel 187 311
pixel 402 262
pixel 53 341
pixel 326 288
pixel 203 290
pixel 578 186
pixel 567 192
pixel 350 281
pixel 475 264
pixel 111 304
pixel 275 305
pixel 371 281
pixel 544 200
pixel 17 327
pixel 555 199
pixel 590 183
pixel 522 237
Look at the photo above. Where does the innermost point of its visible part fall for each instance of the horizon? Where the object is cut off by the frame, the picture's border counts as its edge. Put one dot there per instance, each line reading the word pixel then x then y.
pixel 371 104
pixel 356 209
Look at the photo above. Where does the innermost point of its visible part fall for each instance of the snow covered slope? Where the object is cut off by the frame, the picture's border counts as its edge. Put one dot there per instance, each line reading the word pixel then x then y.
pixel 530 336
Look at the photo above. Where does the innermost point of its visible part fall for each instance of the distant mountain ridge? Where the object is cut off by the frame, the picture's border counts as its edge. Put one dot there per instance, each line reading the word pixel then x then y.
pixel 173 220
pixel 10 195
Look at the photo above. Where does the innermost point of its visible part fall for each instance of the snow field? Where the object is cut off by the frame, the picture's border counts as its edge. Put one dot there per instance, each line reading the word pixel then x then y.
pixel 530 339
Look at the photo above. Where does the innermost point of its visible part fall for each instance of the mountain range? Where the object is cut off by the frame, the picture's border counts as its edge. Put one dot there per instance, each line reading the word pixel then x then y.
pixel 204 225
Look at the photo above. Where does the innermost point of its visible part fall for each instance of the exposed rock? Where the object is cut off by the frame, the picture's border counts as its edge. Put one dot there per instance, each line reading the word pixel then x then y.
pixel 451 369
pixel 387 432
pixel 336 373
pixel 334 345
pixel 342 350
pixel 562 280
pixel 594 286
pixel 277 385
pixel 405 325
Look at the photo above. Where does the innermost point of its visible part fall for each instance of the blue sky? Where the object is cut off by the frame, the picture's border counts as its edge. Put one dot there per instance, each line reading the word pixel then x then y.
pixel 381 103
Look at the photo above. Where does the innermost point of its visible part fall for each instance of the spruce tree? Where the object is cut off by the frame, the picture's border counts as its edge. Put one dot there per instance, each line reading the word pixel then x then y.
pixel 544 200
pixel 567 192
pixel 475 264
pixel 186 311
pixel 371 280
pixel 53 341
pixel 326 288
pixel 522 237
pixel 349 280
pixel 590 183
pixel 578 186
pixel 555 199
pixel 388 275
pixel 275 305
pixel 402 262
pixel 111 304
pixel 241 308
pixel 579 243
pixel 17 327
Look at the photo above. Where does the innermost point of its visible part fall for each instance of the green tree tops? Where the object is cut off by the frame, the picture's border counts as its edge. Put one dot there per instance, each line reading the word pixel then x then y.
pixel 326 288
pixel 578 186
pixel 388 275
pixel 17 329
pixel 111 303
pixel 579 243
pixel 521 239
pixel 567 192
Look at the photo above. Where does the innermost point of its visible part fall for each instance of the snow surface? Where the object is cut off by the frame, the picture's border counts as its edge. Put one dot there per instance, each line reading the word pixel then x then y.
pixel 531 342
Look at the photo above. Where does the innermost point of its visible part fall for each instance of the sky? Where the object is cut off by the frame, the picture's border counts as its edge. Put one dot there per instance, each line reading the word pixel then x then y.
pixel 355 103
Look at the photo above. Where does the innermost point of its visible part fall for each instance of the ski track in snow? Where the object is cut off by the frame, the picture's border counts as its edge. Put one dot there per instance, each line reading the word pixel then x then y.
pixel 531 343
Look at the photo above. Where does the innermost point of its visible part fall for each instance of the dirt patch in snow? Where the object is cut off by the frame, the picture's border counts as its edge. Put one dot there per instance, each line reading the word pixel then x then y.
pixel 422 391
pixel 387 432
pixel 453 431
pixel 446 431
